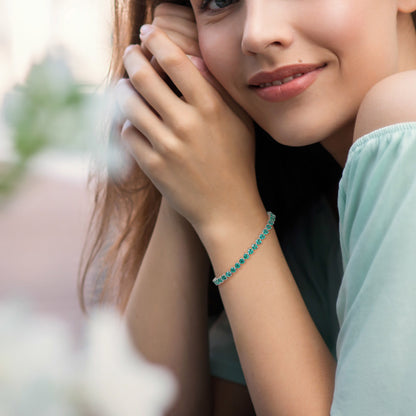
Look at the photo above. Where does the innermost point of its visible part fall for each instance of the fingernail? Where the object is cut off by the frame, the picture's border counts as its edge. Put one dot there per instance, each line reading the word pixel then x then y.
pixel 198 62
pixel 145 30
pixel 128 49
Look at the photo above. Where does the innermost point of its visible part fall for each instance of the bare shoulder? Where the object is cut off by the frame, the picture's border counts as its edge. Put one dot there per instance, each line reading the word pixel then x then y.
pixel 392 100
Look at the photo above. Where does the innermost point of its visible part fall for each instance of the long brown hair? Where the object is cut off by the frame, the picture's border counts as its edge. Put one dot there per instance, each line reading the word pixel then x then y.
pixel 126 206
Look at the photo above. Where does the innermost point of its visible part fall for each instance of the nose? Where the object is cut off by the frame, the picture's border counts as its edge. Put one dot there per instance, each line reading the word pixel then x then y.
pixel 266 25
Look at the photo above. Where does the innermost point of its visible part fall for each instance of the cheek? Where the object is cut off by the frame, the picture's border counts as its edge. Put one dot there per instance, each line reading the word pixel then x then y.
pixel 357 27
pixel 341 19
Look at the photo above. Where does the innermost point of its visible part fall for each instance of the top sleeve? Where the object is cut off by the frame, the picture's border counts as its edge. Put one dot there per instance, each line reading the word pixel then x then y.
pixel 376 305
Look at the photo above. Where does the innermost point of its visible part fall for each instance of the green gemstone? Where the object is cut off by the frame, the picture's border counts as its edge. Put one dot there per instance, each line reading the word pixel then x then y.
pixel 246 256
pixel 233 269
pixel 258 241
pixel 268 226
pixel 265 231
pixel 228 274
pixel 254 246
pixel 250 251
pixel 262 236
pixel 242 261
pixel 237 265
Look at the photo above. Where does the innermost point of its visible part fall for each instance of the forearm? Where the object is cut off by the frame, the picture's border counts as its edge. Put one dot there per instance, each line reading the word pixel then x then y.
pixel 287 366
pixel 167 310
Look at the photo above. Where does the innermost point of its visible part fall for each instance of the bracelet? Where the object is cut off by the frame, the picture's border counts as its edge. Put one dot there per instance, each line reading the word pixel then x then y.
pixel 221 279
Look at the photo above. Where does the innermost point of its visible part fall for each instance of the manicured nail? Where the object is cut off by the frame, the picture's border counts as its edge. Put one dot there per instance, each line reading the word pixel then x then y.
pixel 145 30
pixel 128 49
pixel 198 62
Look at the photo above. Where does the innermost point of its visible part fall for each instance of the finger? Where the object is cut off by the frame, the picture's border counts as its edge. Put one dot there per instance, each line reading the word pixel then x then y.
pixel 143 118
pixel 189 45
pixel 174 10
pixel 146 52
pixel 150 85
pixel 139 147
pixel 203 69
pixel 174 18
pixel 177 66
pixel 176 24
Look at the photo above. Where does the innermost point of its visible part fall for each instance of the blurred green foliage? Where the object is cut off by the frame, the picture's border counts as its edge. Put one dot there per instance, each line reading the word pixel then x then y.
pixel 50 110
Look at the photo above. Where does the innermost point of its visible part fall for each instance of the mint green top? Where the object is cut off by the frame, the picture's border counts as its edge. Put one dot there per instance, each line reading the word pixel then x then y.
pixel 374 325
pixel 376 306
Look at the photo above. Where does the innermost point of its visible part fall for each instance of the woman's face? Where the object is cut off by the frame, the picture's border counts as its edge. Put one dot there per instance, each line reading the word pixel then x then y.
pixel 325 54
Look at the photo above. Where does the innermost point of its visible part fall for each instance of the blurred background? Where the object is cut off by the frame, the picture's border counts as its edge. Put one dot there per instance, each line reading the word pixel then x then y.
pixel 54 56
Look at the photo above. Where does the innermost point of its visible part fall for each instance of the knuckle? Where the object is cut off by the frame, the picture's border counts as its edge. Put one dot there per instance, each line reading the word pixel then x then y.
pixel 141 76
pixel 210 107
pixel 163 9
pixel 183 126
pixel 161 21
pixel 172 60
pixel 170 149
pixel 172 9
pixel 189 46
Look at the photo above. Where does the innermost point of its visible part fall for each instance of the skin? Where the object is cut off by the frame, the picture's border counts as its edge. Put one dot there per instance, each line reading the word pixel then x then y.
pixel 206 119
pixel 255 36
pixel 187 145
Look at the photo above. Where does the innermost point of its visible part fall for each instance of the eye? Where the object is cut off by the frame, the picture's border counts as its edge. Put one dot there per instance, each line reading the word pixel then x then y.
pixel 216 4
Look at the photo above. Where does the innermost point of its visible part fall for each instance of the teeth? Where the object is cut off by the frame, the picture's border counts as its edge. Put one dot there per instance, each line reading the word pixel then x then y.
pixel 287 79
pixel 280 82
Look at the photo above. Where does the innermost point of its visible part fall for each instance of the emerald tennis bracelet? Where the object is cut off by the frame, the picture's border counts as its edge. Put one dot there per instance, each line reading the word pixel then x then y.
pixel 221 279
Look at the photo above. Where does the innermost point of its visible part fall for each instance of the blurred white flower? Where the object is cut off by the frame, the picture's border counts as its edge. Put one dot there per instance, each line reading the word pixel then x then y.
pixel 125 384
pixel 35 364
pixel 42 374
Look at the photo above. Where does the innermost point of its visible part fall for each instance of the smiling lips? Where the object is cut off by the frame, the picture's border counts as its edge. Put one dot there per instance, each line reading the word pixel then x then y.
pixel 286 82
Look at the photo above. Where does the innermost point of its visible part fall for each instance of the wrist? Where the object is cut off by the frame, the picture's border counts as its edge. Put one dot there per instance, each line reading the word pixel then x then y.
pixel 175 222
pixel 228 237
pixel 248 252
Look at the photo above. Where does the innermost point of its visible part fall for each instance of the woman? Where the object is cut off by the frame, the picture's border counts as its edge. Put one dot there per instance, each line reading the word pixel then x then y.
pixel 307 73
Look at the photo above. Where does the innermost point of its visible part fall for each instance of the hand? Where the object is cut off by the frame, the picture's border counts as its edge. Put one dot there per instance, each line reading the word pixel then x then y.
pixel 198 150
pixel 178 22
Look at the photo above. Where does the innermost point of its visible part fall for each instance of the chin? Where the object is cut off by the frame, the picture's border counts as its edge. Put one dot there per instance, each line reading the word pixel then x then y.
pixel 307 131
pixel 296 137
